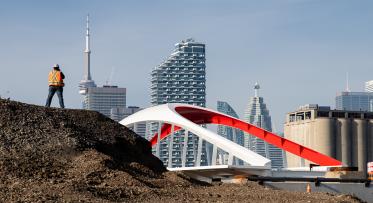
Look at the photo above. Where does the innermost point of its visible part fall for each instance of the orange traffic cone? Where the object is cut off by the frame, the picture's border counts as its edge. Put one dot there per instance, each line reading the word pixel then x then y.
pixel 308 188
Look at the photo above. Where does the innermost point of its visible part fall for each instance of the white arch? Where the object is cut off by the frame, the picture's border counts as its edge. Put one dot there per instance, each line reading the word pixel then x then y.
pixel 166 113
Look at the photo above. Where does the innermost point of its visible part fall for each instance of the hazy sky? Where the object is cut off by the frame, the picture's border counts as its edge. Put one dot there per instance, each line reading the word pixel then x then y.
pixel 298 51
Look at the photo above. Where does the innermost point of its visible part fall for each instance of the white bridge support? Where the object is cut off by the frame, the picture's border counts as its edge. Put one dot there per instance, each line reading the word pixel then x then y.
pixel 184 147
pixel 147 131
pixel 167 114
pixel 170 146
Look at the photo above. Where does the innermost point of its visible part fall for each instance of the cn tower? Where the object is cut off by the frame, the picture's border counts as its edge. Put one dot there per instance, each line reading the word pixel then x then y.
pixel 87 53
pixel 87 82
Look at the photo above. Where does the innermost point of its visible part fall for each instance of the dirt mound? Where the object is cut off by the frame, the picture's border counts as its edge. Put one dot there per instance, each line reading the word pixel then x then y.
pixel 66 155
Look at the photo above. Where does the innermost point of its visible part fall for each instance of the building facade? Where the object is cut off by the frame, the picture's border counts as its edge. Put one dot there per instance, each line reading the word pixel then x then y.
pixel 353 101
pixel 180 78
pixel 103 99
pixel 257 114
pixel 343 135
pixel 231 134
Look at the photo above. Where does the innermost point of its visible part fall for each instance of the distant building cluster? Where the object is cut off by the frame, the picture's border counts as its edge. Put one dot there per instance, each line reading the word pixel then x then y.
pixel 344 133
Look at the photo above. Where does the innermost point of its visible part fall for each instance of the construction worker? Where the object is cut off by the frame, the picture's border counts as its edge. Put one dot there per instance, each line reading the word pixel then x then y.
pixel 56 85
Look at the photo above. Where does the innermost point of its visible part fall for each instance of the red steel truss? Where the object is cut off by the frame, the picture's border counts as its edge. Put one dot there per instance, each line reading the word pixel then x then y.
pixel 200 116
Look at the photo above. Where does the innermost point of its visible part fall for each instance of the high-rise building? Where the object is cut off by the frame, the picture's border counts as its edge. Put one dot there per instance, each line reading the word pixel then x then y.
pixel 353 101
pixel 180 78
pixel 119 114
pixel 231 134
pixel 103 99
pixel 257 114
pixel 369 86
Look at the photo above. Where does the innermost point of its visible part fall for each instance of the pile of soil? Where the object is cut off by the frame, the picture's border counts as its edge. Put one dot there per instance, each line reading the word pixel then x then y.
pixel 66 155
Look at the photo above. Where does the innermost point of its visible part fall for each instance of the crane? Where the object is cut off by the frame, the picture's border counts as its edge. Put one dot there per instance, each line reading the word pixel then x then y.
pixel 6 94
pixel 274 128
pixel 111 77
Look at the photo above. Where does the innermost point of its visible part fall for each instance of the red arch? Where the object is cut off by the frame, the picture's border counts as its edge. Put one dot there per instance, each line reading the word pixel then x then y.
pixel 200 116
pixel 165 131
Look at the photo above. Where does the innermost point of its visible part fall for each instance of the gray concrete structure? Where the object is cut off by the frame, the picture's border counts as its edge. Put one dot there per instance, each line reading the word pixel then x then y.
pixel 344 135
pixel 359 189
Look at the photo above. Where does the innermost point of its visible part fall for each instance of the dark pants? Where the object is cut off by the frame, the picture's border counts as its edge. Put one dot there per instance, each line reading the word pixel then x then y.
pixel 52 90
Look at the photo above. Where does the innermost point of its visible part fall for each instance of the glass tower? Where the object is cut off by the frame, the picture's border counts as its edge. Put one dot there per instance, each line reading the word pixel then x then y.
pixel 353 101
pixel 257 114
pixel 180 78
pixel 228 132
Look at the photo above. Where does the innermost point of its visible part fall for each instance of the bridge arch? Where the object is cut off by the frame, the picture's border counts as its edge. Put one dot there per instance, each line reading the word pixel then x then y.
pixel 190 117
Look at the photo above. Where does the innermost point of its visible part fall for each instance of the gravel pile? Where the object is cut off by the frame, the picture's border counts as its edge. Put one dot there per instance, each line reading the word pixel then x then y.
pixel 66 155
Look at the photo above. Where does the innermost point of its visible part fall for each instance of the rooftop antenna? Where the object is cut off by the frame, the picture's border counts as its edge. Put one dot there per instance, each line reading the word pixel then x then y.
pixel 256 87
pixel 347 83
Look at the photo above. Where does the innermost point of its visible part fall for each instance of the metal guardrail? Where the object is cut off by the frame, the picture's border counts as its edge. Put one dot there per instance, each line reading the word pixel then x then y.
pixel 317 181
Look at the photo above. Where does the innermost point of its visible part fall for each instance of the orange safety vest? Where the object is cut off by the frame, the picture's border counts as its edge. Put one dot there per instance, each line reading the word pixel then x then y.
pixel 55 78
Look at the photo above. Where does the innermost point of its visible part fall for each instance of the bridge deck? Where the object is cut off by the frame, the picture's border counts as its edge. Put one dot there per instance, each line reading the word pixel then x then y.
pixel 223 171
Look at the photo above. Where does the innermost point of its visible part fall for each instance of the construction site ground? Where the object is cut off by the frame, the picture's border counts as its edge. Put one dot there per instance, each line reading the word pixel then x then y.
pixel 67 155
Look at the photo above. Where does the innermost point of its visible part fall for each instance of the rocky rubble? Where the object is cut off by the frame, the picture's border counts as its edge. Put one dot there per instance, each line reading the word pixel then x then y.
pixel 66 155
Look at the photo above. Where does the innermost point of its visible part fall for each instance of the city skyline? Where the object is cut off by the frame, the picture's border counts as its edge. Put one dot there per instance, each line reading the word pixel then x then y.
pixel 279 45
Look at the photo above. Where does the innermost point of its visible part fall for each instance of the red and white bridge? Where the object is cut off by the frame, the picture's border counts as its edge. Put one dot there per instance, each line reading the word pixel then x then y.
pixel 175 116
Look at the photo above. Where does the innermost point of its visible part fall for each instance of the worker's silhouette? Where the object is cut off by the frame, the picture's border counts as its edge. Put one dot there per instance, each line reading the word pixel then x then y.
pixel 56 85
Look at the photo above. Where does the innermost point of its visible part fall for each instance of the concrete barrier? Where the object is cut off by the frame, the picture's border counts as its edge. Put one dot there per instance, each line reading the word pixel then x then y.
pixel 359 189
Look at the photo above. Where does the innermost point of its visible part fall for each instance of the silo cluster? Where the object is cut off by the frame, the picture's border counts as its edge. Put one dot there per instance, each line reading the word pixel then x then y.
pixel 344 135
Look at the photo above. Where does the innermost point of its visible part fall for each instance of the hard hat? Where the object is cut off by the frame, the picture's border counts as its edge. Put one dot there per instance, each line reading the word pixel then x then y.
pixel 56 66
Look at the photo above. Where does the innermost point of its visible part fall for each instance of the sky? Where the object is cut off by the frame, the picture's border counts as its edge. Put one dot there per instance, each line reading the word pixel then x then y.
pixel 299 51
